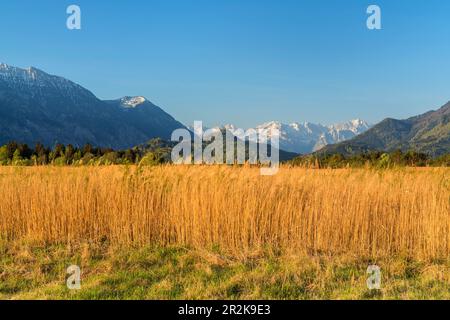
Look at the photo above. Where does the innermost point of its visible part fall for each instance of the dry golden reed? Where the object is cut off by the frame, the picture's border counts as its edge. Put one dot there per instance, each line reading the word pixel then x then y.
pixel 357 211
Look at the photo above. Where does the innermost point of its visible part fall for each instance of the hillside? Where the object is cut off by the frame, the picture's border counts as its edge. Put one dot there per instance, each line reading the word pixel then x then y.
pixel 427 133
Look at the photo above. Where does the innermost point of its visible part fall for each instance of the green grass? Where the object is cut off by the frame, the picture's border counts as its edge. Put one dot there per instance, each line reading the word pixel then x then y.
pixel 35 272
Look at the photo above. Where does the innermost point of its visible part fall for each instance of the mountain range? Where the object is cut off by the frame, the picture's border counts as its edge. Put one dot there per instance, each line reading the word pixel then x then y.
pixel 38 107
pixel 427 133
pixel 308 137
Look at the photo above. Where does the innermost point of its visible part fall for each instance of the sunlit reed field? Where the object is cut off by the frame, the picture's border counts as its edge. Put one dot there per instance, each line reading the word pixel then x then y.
pixel 374 213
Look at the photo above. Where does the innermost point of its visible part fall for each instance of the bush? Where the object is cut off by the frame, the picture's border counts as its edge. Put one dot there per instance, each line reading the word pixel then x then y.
pixel 151 159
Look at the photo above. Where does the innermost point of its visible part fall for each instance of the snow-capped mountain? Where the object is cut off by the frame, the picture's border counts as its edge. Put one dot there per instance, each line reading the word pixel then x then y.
pixel 308 137
pixel 39 107
pixel 36 84
pixel 131 102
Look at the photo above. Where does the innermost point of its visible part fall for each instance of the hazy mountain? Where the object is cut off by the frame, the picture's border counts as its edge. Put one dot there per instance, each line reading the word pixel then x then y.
pixel 165 147
pixel 428 133
pixel 308 137
pixel 38 107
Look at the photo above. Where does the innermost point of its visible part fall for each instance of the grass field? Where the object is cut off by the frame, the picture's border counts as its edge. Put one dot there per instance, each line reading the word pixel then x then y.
pixel 180 273
pixel 224 232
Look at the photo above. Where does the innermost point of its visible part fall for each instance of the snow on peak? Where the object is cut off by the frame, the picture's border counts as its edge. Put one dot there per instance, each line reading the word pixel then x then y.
pixel 11 71
pixel 37 84
pixel 270 125
pixel 32 79
pixel 230 127
pixel 295 125
pixel 132 102
pixel 356 126
pixel 356 122
pixel 306 137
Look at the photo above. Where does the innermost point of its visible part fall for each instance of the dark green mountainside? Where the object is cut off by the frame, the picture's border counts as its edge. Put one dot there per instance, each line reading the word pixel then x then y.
pixel 427 133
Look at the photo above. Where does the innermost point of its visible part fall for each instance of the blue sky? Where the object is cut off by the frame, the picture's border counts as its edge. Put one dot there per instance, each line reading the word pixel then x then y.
pixel 243 61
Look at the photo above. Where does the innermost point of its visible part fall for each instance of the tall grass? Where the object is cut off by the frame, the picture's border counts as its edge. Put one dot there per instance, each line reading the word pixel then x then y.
pixel 357 211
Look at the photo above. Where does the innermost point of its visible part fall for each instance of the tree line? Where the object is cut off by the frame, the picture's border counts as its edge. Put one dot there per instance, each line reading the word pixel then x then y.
pixel 157 152
pixel 18 154
pixel 375 159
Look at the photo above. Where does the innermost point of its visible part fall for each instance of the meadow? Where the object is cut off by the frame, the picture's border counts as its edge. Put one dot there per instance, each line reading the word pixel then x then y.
pixel 224 232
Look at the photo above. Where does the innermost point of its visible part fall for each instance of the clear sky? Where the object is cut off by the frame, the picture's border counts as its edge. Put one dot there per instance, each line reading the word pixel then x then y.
pixel 243 61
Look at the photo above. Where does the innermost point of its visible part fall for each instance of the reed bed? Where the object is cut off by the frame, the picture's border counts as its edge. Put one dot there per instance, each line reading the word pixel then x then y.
pixel 361 212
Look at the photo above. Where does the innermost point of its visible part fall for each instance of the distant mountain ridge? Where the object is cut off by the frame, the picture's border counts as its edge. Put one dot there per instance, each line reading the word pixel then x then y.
pixel 427 133
pixel 307 137
pixel 38 107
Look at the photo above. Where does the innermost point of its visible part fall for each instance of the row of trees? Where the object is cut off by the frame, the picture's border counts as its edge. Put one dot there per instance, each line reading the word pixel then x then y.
pixel 372 159
pixel 18 154
pixel 156 152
